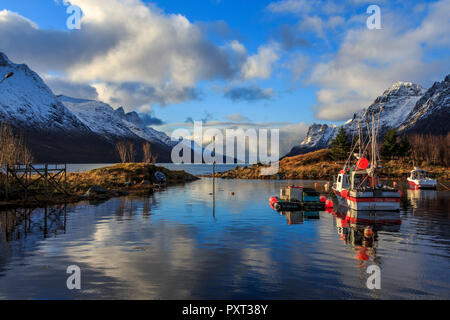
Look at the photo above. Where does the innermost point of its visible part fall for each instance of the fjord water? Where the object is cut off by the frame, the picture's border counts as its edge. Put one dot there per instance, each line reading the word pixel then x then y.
pixel 180 244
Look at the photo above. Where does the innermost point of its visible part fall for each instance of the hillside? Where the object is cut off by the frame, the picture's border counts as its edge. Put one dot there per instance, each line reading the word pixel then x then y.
pixel 65 129
pixel 318 165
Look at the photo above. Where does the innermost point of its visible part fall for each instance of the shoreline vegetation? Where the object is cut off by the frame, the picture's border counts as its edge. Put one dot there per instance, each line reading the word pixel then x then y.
pixel 319 165
pixel 96 185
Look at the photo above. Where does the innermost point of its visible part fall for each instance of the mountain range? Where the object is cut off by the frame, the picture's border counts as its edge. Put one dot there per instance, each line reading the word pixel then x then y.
pixel 407 108
pixel 65 129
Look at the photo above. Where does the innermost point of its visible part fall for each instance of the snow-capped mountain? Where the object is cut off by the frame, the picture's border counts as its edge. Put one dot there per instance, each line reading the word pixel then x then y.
pixel 318 137
pixel 112 124
pixel 406 107
pixel 26 101
pixel 142 130
pixel 431 114
pixel 64 129
pixel 397 103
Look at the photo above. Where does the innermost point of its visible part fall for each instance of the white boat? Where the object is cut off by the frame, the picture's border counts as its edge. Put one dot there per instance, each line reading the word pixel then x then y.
pixel 356 192
pixel 357 186
pixel 420 179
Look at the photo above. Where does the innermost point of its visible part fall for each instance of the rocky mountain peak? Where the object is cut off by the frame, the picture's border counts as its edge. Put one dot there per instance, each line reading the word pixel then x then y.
pixel 406 107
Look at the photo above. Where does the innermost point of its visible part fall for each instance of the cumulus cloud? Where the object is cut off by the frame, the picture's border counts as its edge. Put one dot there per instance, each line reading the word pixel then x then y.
pixel 136 95
pixel 130 42
pixel 249 94
pixel 368 62
pixel 317 17
pixel 260 64
pixel 61 86
pixel 129 50
pixel 49 50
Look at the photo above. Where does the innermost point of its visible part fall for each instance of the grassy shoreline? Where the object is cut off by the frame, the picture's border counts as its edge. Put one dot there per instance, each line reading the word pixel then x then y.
pixel 318 165
pixel 99 184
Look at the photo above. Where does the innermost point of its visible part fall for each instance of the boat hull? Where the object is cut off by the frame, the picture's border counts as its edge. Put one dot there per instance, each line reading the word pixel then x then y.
pixel 422 184
pixel 283 205
pixel 368 201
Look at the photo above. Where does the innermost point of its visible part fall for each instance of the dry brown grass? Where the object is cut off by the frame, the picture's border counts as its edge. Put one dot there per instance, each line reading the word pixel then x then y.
pixel 318 165
pixel 127 177
pixel 118 175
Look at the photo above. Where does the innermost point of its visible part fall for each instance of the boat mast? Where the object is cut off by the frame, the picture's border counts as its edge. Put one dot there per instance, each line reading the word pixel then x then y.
pixel 360 140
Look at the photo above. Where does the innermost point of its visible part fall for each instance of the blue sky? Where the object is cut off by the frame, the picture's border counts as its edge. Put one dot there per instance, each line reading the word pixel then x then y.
pixel 285 63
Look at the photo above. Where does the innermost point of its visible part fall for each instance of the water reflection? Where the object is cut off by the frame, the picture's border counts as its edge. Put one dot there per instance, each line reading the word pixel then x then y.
pixel 422 198
pixel 359 230
pixel 183 243
pixel 22 229
pixel 298 217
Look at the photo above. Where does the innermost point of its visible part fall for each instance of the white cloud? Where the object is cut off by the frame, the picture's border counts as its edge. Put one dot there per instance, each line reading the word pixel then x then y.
pixel 260 64
pixel 314 24
pixel 129 49
pixel 123 42
pixel 369 61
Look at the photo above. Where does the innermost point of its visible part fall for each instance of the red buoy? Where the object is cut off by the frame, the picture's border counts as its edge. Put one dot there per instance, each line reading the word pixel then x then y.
pixel 329 210
pixel 362 164
pixel 329 204
pixel 323 199
pixel 272 201
pixel 344 193
pixel 368 232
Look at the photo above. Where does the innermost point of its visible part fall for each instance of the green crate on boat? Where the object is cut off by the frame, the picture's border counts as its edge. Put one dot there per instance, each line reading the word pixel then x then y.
pixel 310 195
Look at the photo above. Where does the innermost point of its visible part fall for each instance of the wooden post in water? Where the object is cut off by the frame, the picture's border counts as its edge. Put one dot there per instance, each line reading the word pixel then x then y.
pixel 46 178
pixel 65 176
pixel 214 177
pixel 7 182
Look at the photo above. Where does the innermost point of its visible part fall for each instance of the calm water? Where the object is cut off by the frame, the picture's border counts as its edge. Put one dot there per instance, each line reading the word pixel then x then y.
pixel 195 169
pixel 178 245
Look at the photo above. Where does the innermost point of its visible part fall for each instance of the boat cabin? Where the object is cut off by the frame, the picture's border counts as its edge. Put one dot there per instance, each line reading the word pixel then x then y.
pixel 342 182
pixel 419 174
pixel 360 179
pixel 356 180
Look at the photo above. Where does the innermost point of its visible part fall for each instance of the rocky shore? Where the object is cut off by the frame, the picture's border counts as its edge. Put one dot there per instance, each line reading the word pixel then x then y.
pixel 101 184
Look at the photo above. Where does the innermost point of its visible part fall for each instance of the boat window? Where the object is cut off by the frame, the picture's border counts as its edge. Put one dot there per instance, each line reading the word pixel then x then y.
pixel 346 182
pixel 339 179
pixel 360 181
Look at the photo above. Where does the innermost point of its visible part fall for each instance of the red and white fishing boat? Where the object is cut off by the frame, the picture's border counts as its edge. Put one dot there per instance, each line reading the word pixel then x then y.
pixel 420 179
pixel 357 186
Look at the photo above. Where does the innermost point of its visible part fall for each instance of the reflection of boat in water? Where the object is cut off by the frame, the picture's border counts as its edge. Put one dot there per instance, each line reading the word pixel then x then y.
pixel 360 229
pixel 420 179
pixel 358 186
pixel 298 217
pixel 377 220
pixel 294 217
pixel 421 198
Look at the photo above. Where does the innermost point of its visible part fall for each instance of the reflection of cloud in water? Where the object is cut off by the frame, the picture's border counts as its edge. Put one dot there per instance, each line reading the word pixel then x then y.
pixel 171 247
